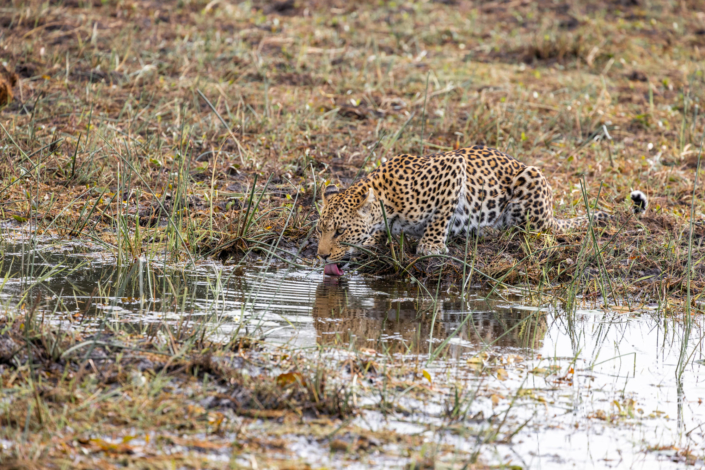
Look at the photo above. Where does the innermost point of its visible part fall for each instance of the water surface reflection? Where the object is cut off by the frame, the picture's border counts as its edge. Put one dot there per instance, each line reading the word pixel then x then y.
pixel 397 317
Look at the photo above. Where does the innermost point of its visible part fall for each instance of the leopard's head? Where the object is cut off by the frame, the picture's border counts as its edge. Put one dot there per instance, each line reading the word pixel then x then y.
pixel 347 218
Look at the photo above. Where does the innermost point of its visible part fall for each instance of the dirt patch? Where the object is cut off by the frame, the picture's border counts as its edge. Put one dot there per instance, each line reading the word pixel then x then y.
pixel 95 76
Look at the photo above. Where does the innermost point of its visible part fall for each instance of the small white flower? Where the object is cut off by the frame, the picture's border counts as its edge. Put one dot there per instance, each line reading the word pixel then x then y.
pixel 650 146
pixel 536 95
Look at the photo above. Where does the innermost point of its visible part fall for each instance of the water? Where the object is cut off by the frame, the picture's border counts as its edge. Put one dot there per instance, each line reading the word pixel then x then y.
pixel 597 389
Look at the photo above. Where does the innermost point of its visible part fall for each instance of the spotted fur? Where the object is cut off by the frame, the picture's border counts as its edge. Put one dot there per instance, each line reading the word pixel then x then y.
pixel 437 196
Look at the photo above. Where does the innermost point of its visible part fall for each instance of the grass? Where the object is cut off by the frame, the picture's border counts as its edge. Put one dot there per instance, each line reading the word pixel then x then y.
pixel 167 129
pixel 172 391
pixel 175 133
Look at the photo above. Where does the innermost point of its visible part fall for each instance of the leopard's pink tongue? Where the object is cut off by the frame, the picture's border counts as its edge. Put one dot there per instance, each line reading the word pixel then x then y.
pixel 332 270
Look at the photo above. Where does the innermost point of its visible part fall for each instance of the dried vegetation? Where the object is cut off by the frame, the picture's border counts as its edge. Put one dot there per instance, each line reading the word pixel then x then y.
pixel 145 125
pixel 206 129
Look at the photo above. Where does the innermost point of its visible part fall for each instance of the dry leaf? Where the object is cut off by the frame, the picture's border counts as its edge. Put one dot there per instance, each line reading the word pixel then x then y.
pixel 427 375
pixel 289 378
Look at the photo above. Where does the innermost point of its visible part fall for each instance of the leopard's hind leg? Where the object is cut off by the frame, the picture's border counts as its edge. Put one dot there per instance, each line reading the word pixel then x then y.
pixel 530 204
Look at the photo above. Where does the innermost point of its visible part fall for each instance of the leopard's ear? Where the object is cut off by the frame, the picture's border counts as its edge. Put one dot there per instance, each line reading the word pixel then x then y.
pixel 328 192
pixel 368 202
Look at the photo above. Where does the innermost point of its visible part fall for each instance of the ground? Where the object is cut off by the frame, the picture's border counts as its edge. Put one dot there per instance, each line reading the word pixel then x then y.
pixel 207 130
pixel 178 107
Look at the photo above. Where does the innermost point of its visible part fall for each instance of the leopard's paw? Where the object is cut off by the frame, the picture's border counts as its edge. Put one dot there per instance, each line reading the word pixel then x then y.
pixel 431 249
pixel 490 232
pixel 377 239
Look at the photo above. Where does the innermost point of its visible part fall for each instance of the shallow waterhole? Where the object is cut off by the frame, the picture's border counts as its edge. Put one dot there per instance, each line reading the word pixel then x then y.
pixel 596 388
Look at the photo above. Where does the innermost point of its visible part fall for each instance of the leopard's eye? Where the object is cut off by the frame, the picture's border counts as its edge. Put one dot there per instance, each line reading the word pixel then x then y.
pixel 339 232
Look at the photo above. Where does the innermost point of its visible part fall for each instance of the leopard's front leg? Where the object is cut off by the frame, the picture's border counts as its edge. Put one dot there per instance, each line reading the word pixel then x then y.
pixel 377 238
pixel 433 241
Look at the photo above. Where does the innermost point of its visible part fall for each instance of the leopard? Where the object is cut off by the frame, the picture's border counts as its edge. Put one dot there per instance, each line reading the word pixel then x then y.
pixel 439 196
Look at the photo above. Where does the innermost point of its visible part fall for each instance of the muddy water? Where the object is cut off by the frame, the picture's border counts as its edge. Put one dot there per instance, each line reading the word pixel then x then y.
pixel 593 389
pixel 297 307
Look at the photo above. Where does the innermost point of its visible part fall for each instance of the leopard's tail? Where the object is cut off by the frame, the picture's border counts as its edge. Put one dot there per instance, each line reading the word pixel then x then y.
pixel 639 204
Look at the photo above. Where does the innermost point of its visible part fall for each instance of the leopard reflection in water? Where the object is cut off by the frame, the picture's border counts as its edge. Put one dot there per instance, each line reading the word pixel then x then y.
pixel 343 312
